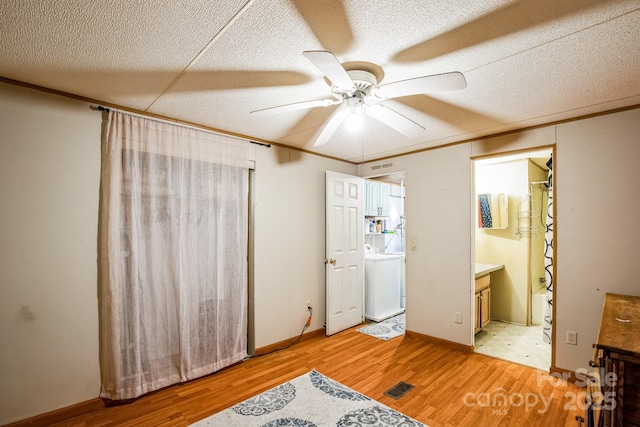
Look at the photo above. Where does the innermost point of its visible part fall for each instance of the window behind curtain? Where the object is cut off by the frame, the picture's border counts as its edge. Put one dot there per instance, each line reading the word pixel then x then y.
pixel 173 255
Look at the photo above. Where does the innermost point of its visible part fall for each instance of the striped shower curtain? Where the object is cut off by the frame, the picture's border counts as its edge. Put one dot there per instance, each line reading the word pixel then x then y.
pixel 548 264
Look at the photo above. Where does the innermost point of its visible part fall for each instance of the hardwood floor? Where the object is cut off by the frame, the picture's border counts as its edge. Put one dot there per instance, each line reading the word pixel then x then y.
pixel 452 388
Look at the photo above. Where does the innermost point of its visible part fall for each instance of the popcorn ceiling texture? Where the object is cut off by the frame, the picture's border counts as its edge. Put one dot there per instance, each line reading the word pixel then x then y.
pixel 213 62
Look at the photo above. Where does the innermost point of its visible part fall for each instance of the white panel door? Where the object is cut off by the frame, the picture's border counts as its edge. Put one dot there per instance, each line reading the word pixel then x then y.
pixel 344 252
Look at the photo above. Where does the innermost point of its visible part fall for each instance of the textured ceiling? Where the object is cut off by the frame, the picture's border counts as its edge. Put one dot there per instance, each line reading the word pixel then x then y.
pixel 526 62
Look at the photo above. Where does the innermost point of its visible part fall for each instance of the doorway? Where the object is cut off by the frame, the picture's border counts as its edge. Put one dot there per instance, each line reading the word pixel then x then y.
pixel 511 326
pixel 385 243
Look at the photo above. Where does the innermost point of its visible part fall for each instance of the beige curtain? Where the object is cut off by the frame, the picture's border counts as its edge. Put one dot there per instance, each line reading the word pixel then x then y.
pixel 172 254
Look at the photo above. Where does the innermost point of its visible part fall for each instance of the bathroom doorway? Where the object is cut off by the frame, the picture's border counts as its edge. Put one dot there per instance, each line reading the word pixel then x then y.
pixel 512 192
pixel 385 243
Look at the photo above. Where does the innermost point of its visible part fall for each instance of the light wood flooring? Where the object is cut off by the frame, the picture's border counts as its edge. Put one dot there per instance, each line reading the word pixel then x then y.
pixel 452 387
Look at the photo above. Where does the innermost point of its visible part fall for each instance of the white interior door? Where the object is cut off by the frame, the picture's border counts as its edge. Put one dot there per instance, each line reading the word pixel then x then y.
pixel 344 251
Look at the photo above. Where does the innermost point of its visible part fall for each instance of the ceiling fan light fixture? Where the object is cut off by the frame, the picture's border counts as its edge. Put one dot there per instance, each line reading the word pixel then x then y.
pixel 356 91
pixel 354 122
pixel 355 104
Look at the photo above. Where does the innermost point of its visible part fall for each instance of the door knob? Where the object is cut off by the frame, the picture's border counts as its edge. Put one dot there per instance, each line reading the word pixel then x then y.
pixel 331 261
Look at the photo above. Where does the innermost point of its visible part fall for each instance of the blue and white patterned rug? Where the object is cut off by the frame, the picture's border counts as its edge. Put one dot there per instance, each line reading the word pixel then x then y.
pixel 387 329
pixel 309 400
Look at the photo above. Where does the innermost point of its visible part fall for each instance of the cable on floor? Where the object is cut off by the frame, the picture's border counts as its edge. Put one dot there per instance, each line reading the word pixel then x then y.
pixel 304 328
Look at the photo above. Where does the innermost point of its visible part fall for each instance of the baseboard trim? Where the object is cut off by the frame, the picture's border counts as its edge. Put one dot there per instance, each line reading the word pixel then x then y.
pixel 61 414
pixel 278 345
pixel 439 341
pixel 570 376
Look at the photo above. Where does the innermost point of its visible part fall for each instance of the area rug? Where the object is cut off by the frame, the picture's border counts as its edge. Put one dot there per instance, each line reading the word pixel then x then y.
pixel 309 400
pixel 387 329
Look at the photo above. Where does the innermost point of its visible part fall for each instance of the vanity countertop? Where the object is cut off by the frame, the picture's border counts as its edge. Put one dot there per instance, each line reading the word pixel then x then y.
pixel 483 269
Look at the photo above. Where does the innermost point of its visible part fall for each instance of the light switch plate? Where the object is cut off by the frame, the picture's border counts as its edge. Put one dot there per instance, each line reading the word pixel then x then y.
pixel 458 317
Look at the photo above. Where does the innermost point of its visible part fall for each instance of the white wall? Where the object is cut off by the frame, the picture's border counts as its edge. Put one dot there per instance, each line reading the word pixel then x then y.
pixel 49 192
pixel 597 228
pixel 49 183
pixel 290 241
pixel 438 271
pixel 598 224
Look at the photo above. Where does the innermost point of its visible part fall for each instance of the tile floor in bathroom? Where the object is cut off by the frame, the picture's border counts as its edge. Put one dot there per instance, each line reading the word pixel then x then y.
pixel 516 343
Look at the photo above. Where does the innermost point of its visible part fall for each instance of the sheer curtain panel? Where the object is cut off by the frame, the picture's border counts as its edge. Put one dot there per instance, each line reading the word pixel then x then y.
pixel 172 254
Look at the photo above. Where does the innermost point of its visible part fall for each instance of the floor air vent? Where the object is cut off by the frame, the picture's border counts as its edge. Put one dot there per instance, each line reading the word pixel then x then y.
pixel 399 390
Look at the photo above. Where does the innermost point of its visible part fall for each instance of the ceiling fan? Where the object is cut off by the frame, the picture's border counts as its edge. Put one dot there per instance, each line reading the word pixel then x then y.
pixel 358 91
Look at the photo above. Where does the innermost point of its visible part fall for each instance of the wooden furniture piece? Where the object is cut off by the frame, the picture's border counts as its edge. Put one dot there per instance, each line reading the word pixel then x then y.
pixel 619 348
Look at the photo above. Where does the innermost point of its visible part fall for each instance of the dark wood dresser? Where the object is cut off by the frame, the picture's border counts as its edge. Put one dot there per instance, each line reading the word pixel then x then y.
pixel 619 350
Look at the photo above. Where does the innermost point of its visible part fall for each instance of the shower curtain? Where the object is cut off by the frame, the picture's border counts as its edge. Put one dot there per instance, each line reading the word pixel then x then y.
pixel 172 254
pixel 548 263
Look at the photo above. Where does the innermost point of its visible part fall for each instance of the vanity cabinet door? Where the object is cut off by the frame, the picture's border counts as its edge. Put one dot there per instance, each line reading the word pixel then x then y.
pixel 478 322
pixel 485 309
pixel 483 302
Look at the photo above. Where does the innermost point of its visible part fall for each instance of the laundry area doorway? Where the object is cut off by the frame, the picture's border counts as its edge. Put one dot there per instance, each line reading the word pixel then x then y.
pixel 385 243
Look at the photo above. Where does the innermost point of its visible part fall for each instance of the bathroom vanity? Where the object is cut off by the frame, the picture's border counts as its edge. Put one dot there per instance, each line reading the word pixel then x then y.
pixel 483 294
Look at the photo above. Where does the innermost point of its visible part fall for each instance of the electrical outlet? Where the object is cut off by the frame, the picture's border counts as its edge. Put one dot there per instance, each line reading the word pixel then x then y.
pixel 458 317
pixel 572 337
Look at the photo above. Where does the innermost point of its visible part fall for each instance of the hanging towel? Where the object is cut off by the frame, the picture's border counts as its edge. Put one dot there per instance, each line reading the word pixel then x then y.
pixel 499 210
pixel 485 210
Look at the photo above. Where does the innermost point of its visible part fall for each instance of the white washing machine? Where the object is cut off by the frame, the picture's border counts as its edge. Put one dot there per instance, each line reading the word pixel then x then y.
pixel 383 286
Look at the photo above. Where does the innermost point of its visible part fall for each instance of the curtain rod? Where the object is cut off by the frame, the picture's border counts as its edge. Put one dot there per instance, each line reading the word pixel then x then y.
pixel 101 108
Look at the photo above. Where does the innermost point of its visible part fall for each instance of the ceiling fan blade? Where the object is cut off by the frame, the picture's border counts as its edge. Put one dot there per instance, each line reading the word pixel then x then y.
pixel 331 68
pixel 395 120
pixel 296 106
pixel 334 122
pixel 425 84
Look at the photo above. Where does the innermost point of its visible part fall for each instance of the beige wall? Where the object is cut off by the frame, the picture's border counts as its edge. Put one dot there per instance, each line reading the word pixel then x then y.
pixel 598 231
pixel 597 227
pixel 49 186
pixel 49 182
pixel 290 241
pixel 438 269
